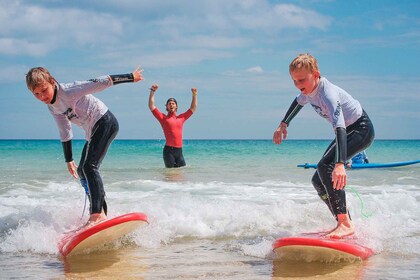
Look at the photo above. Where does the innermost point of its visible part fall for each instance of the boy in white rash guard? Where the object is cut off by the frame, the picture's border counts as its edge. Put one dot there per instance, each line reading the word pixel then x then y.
pixel 74 103
pixel 353 129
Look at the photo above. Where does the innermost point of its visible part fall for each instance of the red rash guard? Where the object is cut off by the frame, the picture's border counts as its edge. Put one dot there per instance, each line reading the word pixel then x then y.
pixel 172 126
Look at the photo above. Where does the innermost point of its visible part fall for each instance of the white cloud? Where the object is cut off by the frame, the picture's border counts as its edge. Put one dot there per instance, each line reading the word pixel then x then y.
pixel 161 58
pixel 292 16
pixel 183 57
pixel 12 46
pixel 256 69
pixel 264 17
pixel 34 30
pixel 213 24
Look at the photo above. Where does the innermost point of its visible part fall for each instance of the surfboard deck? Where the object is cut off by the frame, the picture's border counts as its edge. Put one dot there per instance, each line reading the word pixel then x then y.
pixel 310 249
pixel 79 241
pixel 368 165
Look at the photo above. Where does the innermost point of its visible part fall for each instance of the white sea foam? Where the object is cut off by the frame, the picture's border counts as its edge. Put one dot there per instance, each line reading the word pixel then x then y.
pixel 384 215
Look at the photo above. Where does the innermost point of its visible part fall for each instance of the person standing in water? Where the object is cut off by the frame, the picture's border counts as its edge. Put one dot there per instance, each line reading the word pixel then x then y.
pixel 74 103
pixel 353 129
pixel 172 125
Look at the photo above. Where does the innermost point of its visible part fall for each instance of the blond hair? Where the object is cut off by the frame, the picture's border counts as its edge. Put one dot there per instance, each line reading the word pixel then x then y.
pixel 37 76
pixel 304 61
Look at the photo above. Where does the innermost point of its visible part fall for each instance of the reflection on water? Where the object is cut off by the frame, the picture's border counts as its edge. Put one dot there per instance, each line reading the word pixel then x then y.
pixel 90 262
pixel 322 270
pixel 174 174
pixel 106 265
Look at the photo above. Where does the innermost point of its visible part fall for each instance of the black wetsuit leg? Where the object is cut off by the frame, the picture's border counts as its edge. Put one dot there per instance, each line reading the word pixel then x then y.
pixel 173 157
pixel 360 135
pixel 94 151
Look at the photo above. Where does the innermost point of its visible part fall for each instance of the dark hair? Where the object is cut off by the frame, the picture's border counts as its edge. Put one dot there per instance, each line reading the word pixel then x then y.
pixel 171 99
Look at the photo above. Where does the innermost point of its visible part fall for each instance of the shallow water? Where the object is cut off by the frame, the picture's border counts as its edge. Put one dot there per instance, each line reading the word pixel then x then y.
pixel 215 219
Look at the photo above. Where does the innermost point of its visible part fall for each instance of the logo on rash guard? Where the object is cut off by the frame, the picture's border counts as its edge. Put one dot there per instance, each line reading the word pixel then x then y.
pixel 319 111
pixel 337 113
pixel 68 113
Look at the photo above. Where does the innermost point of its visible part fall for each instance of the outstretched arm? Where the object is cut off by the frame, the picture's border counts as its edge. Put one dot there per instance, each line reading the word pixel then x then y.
pixel 133 77
pixel 193 106
pixel 152 97
pixel 138 75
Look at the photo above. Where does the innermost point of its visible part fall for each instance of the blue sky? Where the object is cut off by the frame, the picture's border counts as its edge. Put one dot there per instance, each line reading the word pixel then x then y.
pixel 236 53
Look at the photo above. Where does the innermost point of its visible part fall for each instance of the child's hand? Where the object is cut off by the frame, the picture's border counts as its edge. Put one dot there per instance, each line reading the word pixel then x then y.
pixel 194 91
pixel 138 74
pixel 339 176
pixel 71 166
pixel 154 87
pixel 280 133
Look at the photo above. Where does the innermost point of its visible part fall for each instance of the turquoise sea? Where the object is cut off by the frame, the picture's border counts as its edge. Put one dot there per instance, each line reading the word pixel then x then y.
pixel 214 219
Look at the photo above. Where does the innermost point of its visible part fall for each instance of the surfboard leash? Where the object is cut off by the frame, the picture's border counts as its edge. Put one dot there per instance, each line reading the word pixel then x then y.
pixel 84 207
pixel 86 188
pixel 353 190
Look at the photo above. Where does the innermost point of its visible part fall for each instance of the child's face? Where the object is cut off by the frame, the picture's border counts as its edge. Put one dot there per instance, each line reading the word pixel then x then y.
pixel 44 92
pixel 304 80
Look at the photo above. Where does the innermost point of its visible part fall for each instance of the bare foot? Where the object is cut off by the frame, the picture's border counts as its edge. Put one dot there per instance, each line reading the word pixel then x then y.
pixel 93 220
pixel 344 227
pixel 97 218
pixel 341 231
pixel 325 233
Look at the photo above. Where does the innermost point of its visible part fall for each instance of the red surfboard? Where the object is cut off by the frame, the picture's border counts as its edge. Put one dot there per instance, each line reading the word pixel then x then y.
pixel 102 233
pixel 319 249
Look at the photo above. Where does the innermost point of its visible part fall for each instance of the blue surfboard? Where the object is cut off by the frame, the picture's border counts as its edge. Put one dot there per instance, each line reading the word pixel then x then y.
pixel 369 165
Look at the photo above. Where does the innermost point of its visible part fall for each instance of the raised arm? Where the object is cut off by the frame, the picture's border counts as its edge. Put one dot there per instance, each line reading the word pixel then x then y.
pixel 152 97
pixel 193 106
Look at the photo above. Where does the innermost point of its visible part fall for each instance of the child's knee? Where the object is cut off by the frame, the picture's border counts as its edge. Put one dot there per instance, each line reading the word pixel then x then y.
pixel 88 168
pixel 80 172
pixel 319 187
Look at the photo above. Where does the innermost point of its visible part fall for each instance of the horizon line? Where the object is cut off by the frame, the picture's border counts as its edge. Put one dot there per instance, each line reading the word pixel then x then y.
pixel 203 139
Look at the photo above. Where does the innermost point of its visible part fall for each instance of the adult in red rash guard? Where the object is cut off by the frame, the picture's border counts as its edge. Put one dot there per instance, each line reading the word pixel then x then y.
pixel 172 125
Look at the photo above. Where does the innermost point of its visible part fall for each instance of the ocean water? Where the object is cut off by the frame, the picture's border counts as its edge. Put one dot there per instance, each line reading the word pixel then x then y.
pixel 217 218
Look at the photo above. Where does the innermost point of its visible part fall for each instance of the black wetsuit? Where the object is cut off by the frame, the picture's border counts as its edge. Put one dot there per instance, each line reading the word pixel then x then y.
pixel 103 133
pixel 359 136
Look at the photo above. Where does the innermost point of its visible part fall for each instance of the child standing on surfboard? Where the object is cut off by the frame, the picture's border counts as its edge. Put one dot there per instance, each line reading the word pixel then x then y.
pixel 353 129
pixel 74 103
